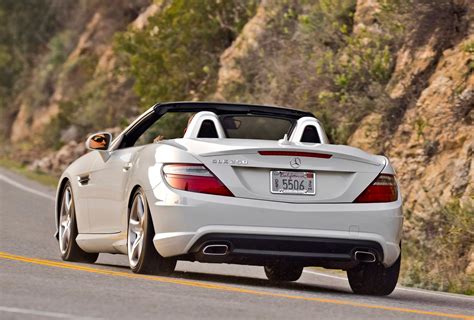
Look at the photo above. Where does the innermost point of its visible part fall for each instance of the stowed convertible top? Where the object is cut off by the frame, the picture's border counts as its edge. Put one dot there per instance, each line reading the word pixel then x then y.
pixel 131 134
pixel 228 108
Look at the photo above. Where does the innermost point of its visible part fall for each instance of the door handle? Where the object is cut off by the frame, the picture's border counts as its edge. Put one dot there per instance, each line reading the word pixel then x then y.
pixel 127 166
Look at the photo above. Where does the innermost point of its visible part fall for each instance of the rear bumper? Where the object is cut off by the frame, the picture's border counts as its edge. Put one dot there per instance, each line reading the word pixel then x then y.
pixel 183 220
pixel 257 249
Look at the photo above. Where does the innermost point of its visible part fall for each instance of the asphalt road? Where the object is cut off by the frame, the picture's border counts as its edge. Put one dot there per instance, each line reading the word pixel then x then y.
pixel 36 284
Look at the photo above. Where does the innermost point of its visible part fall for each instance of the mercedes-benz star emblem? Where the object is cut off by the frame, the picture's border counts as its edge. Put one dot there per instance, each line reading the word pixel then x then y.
pixel 295 163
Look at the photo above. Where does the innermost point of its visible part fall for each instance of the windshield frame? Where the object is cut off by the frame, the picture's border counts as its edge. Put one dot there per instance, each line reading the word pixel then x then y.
pixel 129 136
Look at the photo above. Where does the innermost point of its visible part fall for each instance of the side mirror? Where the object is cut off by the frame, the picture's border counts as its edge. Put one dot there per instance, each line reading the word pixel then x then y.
pixel 99 141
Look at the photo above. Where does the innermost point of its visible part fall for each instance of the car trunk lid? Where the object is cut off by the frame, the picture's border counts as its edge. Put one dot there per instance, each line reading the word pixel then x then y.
pixel 341 173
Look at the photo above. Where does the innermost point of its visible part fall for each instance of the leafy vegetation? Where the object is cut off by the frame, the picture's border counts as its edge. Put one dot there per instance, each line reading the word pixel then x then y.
pixel 25 26
pixel 91 97
pixel 36 38
pixel 176 56
pixel 316 60
pixel 437 260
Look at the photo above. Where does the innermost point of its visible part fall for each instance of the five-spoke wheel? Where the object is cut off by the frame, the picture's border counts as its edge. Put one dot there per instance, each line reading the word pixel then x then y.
pixel 67 226
pixel 136 230
pixel 142 255
pixel 65 220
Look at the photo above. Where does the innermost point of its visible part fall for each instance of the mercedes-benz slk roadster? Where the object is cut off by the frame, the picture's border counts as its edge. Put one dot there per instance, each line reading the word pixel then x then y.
pixel 233 183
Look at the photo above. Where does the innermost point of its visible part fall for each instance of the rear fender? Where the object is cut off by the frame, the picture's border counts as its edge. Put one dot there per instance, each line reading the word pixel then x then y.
pixel 149 162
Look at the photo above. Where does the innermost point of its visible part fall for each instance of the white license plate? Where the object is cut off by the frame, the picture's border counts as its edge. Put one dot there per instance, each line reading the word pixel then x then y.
pixel 292 182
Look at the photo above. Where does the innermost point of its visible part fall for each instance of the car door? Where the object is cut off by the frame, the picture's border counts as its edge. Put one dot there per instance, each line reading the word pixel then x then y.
pixel 107 198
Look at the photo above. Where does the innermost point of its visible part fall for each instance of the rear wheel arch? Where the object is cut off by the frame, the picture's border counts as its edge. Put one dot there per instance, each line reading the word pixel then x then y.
pixel 149 261
pixel 130 202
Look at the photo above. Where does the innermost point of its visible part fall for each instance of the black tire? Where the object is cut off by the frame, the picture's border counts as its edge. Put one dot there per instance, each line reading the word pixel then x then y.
pixel 67 226
pixel 373 278
pixel 149 261
pixel 280 272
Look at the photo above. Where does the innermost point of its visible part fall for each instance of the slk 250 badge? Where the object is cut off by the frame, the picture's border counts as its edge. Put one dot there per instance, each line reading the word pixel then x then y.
pixel 230 162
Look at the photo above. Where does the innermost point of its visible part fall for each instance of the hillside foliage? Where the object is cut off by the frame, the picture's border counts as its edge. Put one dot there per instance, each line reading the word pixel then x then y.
pixel 25 28
pixel 176 56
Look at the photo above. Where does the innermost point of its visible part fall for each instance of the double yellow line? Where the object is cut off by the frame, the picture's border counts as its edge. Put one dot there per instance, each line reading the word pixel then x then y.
pixel 204 285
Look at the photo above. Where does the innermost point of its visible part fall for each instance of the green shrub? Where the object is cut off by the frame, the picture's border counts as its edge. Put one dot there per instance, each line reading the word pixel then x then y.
pixel 469 47
pixel 322 65
pixel 25 28
pixel 176 56
pixel 60 46
pixel 89 110
pixel 437 257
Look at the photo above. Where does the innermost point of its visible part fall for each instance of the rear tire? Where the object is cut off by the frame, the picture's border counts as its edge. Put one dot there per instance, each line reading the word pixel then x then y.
pixel 67 227
pixel 373 278
pixel 281 272
pixel 142 255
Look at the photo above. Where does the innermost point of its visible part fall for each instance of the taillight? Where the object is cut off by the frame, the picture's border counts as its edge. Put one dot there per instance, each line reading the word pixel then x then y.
pixel 383 189
pixel 194 178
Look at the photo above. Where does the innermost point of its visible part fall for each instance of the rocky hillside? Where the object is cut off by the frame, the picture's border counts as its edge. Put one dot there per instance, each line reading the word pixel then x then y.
pixel 392 77
pixel 86 77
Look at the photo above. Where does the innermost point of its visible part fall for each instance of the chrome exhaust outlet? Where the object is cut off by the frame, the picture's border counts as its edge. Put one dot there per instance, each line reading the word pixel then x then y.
pixel 365 256
pixel 216 250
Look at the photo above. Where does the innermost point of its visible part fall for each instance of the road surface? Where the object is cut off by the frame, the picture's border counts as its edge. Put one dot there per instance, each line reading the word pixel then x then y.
pixel 36 284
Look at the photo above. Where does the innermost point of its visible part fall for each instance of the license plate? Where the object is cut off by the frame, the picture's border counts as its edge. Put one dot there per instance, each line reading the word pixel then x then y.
pixel 292 182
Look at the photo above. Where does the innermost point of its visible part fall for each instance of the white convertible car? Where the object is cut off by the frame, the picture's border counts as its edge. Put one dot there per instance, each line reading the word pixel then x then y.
pixel 233 183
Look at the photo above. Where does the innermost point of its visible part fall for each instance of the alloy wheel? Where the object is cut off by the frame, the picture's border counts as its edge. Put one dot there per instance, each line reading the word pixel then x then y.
pixel 136 230
pixel 65 220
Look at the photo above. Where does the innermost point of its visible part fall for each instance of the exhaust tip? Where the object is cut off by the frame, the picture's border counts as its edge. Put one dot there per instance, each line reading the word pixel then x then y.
pixel 216 250
pixel 364 256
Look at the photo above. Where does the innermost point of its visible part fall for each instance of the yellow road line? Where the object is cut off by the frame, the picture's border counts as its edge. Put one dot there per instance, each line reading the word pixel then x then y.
pixel 200 284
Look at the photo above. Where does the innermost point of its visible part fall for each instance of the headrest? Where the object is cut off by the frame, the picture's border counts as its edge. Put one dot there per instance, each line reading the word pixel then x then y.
pixel 308 130
pixel 205 124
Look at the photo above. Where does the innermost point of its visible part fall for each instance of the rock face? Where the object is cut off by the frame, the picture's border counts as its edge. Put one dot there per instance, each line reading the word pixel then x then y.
pixel 94 46
pixel 432 141
pixel 368 135
pixel 58 161
pixel 432 138
pixel 433 146
pixel 365 16
pixel 247 43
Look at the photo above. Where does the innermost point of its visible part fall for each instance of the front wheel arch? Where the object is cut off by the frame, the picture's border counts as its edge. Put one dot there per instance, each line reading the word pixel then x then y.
pixel 69 249
pixel 59 196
